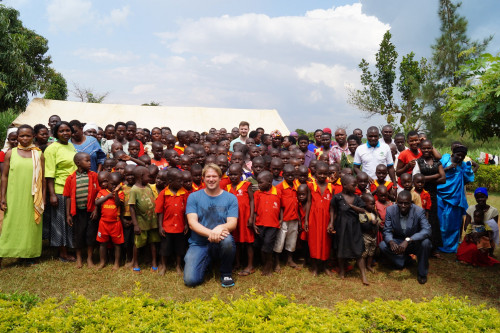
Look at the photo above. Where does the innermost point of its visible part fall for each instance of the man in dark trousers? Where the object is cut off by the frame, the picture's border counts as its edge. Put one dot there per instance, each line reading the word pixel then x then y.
pixel 406 232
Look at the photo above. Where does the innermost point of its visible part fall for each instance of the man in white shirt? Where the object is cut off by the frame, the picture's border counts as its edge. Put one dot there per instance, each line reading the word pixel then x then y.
pixel 243 128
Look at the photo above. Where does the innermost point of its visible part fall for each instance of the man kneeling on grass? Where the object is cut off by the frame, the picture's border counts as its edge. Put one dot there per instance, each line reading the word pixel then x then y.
pixel 212 215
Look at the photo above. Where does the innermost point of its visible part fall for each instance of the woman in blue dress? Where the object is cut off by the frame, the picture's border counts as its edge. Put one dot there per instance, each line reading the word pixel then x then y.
pixel 451 199
pixel 87 144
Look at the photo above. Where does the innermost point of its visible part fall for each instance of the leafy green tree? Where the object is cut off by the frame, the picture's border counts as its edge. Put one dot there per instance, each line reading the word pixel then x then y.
pixel 24 67
pixel 474 106
pixel 377 96
pixel 446 60
pixel 152 103
pixel 57 88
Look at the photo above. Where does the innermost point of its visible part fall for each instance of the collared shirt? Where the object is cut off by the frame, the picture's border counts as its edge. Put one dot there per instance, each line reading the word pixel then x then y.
pixel 369 157
pixel 403 220
pixel 308 157
pixel 173 207
pixel 336 152
pixel 267 208
pixel 289 201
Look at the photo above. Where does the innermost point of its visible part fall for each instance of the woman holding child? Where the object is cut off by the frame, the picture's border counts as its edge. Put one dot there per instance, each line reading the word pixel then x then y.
pixel 21 198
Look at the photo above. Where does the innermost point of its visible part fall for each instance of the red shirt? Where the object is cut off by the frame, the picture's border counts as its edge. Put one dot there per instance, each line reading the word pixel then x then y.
pixel 224 182
pixel 141 148
pixel 160 164
pixel 289 201
pixel 179 149
pixel 267 208
pixel 406 156
pixel 173 207
pixel 197 188
pixel 110 213
pixel 70 191
pixel 426 200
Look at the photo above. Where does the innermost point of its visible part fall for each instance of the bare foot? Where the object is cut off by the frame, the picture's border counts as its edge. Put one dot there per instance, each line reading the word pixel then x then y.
pixel 116 267
pixel 328 272
pixel 178 269
pixel 370 269
pixel 277 269
pixel 90 264
pixel 314 272
pixel 79 264
pixel 292 264
pixel 365 282
pixel 342 274
pixel 162 270
pixel 267 273
pixel 101 265
pixel 128 264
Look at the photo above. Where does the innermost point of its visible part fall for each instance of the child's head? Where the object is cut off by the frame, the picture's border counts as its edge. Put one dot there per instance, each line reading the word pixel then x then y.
pixel 267 162
pixel 187 180
pixel 478 216
pixel 116 146
pixel 102 179
pixel 346 171
pixel 133 148
pixel 399 141
pixel 394 150
pixel 175 179
pixel 237 158
pixel 300 156
pixel 157 150
pixel 363 180
pixel 82 161
pixel 381 173
pixel 172 157
pixel 191 153
pixel 109 164
pixel 382 193
pixel 353 142
pixel 118 155
pixel 321 172
pixel 406 181
pixel 312 166
pixel 295 162
pixel 196 171
pixel 326 140
pixel 170 141
pixel 348 184
pixel 141 175
pixel 220 150
pixel 274 152
pixel 276 167
pixel 253 152
pixel 185 162
pixel 129 174
pixel 114 179
pixel 201 155
pixel 120 167
pixel 153 173
pixel 234 173
pixel 257 166
pixel 145 159
pixel 222 163
pixel 303 174
pixel 324 158
pixel 419 182
pixel 369 201
pixel 302 193
pixel 161 180
pixel 285 156
pixel 334 172
pixel 265 180
pixel 289 173
pixel 263 150
pixel 109 132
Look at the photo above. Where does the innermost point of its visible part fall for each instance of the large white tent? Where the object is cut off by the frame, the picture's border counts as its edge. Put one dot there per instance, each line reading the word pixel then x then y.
pixel 177 118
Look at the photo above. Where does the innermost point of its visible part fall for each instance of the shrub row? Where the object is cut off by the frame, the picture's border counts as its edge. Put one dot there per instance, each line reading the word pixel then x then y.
pixel 487 176
pixel 271 313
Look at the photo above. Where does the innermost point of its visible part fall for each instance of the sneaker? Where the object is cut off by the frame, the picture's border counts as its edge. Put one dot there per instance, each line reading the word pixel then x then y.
pixel 227 281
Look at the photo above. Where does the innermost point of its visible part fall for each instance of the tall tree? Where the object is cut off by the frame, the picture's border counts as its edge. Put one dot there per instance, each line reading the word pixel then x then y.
pixel 377 96
pixel 446 59
pixel 57 88
pixel 86 95
pixel 24 67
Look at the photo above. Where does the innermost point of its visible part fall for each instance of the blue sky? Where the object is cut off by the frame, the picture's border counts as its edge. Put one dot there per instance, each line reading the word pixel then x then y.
pixel 293 56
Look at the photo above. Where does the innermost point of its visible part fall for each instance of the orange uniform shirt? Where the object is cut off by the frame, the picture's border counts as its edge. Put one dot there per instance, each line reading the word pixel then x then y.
pixel 425 197
pixel 161 164
pixel 267 208
pixel 289 201
pixel 173 207
pixel 110 213
pixel 179 149
pixel 224 182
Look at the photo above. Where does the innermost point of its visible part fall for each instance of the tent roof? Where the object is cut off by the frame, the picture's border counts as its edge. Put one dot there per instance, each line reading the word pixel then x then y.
pixel 177 118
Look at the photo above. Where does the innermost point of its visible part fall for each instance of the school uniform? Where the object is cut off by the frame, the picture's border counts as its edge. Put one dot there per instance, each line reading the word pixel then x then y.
pixel 161 164
pixel 128 231
pixel 319 218
pixel 243 233
pixel 110 226
pixel 425 198
pixel 287 236
pixel 267 210
pixel 224 181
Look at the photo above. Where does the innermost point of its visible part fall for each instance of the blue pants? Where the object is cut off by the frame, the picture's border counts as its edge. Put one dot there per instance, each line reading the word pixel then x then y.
pixel 199 257
pixel 422 249
pixel 450 221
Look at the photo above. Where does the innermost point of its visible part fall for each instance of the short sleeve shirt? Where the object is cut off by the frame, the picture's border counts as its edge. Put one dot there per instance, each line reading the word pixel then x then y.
pixel 109 211
pixel 369 157
pixel 144 204
pixel 267 208
pixel 59 164
pixel 211 211
pixel 289 201
pixel 173 207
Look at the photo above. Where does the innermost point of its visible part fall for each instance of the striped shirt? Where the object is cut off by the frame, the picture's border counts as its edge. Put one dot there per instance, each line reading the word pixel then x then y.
pixel 82 190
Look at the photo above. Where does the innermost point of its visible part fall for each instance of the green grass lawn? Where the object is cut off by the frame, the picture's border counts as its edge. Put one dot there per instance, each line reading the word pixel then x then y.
pixel 52 278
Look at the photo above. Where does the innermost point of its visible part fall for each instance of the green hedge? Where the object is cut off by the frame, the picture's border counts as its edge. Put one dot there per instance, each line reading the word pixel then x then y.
pixel 271 313
pixel 487 176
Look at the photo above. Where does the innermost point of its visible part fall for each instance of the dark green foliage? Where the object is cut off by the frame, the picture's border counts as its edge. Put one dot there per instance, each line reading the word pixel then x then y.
pixel 57 88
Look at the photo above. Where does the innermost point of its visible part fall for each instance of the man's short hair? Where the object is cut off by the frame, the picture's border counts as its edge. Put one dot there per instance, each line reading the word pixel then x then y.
pixel 244 123
pixel 212 166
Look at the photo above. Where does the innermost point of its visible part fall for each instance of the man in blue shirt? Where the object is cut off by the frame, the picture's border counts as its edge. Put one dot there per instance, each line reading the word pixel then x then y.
pixel 212 214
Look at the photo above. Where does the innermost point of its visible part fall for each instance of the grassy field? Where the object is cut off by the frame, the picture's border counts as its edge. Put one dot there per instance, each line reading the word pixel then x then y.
pixel 52 278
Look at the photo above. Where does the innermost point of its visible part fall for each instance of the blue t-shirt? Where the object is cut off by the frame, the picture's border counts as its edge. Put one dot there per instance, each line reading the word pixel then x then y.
pixel 211 211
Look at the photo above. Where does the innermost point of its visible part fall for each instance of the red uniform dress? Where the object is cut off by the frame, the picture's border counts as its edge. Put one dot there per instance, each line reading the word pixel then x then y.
pixel 224 181
pixel 173 207
pixel 242 233
pixel 319 217
pixel 337 187
pixel 179 149
pixel 110 226
pixel 302 210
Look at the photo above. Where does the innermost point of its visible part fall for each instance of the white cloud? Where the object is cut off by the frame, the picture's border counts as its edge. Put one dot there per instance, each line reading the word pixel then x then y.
pixel 116 17
pixel 104 55
pixel 142 88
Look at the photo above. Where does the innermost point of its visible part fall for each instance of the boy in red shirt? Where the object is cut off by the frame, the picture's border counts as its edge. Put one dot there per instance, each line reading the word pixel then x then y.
pixel 158 159
pixel 172 224
pixel 381 173
pixel 80 192
pixel 425 197
pixel 363 181
pixel 268 216
pixel 287 236
pixel 110 225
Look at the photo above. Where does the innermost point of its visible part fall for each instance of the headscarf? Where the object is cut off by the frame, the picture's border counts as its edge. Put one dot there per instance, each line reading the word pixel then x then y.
pixel 293 134
pixel 6 145
pixel 275 134
pixel 460 149
pixel 36 181
pixel 482 190
pixel 90 126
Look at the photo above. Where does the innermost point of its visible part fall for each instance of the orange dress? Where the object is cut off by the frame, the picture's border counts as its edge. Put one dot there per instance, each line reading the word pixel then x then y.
pixel 242 233
pixel 319 217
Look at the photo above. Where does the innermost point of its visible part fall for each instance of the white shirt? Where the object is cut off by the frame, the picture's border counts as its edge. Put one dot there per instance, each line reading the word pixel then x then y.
pixel 369 157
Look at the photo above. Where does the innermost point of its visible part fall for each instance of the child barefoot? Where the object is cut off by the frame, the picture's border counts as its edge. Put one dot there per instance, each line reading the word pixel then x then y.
pixel 128 226
pixel 407 183
pixel 363 180
pixel 317 219
pixel 268 217
pixel 81 190
pixel 381 173
pixel 110 226
pixel 243 234
pixel 172 224
pixel 425 197
pixel 381 203
pixel 345 222
pixel 369 225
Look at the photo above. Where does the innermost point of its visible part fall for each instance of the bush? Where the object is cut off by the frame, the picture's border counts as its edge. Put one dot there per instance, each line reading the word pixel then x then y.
pixel 6 119
pixel 487 176
pixel 271 313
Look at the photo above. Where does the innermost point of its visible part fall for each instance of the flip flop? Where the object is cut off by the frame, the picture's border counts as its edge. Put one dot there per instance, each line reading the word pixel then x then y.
pixel 136 270
pixel 246 273
pixel 154 269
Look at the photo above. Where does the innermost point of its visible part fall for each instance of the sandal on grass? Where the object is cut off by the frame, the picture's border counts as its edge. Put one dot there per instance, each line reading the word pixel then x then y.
pixel 154 269
pixel 246 273
pixel 136 270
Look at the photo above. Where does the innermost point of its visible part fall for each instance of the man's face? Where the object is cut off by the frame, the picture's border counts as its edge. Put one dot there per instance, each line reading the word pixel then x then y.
pixel 131 130
pixel 120 132
pixel 211 179
pixel 372 137
pixel 53 121
pixel 243 130
pixel 387 133
pixel 317 137
pixel 404 204
pixel 340 137
pixel 352 145
pixel 400 143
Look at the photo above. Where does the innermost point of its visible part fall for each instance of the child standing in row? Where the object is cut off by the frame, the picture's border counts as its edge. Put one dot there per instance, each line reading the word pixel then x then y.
pixel 369 225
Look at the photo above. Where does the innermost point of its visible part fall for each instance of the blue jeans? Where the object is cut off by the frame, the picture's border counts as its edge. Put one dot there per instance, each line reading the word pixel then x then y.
pixel 199 257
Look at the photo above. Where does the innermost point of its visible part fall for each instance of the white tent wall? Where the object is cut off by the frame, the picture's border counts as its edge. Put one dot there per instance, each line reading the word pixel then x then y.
pixel 177 118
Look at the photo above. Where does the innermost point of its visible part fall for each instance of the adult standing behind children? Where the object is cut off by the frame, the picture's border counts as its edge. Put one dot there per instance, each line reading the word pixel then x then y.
pixel 120 131
pixel 21 198
pixel 243 129
pixel 87 144
pixel 212 215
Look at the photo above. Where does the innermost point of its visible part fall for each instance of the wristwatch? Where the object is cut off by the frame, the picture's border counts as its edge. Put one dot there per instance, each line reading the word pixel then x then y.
pixel 408 239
